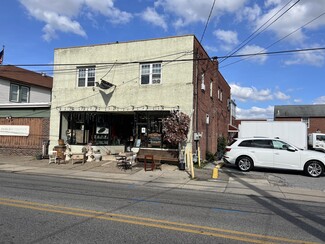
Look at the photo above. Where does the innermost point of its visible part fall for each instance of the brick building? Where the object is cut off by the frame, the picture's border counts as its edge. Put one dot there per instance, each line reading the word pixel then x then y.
pixel 140 82
pixel 312 115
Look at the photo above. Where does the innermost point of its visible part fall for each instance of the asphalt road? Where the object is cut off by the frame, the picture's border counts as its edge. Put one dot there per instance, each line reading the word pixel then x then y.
pixel 39 209
pixel 290 178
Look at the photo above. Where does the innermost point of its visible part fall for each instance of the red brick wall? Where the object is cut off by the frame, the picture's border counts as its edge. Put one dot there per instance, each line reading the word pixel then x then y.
pixel 22 145
pixel 217 109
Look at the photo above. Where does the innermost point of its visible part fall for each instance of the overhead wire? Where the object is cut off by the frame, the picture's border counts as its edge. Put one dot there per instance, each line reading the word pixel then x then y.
pixel 282 38
pixel 208 20
pixel 257 32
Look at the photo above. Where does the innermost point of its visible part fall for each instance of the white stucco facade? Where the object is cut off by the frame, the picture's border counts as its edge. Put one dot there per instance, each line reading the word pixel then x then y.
pixel 119 64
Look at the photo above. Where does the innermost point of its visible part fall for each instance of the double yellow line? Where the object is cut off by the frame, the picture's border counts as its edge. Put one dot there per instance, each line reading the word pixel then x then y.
pixel 155 223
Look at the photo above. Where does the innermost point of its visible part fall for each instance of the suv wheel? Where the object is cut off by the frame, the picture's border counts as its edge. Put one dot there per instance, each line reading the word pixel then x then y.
pixel 314 168
pixel 245 163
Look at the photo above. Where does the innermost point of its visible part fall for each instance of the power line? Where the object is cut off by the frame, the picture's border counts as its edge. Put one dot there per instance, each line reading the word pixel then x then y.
pixel 281 38
pixel 251 37
pixel 208 20
pixel 176 59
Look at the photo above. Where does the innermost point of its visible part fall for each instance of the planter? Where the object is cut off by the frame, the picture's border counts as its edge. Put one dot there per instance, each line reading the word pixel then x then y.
pixel 39 156
pixel 98 157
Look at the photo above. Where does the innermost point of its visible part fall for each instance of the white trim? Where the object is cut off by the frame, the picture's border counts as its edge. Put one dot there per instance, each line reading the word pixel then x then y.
pixel 25 105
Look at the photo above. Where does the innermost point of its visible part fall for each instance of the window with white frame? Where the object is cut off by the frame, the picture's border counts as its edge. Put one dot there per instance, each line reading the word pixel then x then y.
pixel 150 73
pixel 211 88
pixel 86 76
pixel 306 120
pixel 19 94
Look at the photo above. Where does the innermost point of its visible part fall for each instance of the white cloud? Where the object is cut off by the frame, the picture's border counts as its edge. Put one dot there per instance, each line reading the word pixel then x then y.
pixel 192 11
pixel 60 16
pixel 250 93
pixel 106 8
pixel 227 37
pixel 244 94
pixel 150 15
pixel 297 100
pixel 312 58
pixel 255 113
pixel 297 17
pixel 250 13
pixel 320 100
pixel 281 96
pixel 252 49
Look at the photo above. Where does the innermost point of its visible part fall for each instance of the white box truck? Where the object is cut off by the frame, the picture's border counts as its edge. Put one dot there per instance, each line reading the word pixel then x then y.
pixel 294 132
pixel 316 141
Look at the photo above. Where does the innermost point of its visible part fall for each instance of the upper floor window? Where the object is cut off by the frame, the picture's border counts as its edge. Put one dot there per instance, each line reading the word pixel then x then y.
pixel 150 73
pixel 86 76
pixel 19 94
pixel 219 93
pixel 211 88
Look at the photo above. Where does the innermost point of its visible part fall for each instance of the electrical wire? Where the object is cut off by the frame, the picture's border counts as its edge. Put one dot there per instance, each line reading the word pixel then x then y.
pixel 208 20
pixel 256 33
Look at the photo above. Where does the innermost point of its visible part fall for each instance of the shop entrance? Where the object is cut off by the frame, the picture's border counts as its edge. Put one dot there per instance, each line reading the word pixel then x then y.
pixel 101 129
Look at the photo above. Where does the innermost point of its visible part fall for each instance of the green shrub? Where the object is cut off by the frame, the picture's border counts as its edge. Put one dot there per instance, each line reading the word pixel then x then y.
pixel 209 156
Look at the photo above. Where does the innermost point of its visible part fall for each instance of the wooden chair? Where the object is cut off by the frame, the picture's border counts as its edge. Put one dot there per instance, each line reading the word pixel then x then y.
pixel 53 156
pixel 148 159
pixel 157 162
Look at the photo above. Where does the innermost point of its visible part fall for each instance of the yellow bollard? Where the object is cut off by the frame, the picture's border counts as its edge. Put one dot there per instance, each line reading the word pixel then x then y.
pixel 215 172
pixel 192 167
pixel 199 156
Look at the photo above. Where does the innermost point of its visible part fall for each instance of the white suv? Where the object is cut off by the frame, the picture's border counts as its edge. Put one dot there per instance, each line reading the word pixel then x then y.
pixel 247 153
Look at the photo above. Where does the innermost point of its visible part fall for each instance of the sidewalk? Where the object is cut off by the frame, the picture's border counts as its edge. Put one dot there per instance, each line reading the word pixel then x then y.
pixel 170 177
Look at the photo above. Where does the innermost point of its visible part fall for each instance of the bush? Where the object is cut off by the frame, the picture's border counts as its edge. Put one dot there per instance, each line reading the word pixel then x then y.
pixel 209 156
pixel 221 147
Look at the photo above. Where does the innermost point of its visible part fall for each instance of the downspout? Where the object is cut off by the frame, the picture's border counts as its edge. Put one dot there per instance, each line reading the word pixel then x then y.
pixel 196 97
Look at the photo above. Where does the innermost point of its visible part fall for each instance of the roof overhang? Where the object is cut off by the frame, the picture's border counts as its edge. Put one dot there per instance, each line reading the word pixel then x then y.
pixel 232 128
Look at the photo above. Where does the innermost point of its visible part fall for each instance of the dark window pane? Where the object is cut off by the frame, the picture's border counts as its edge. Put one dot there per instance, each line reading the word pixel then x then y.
pixel 144 79
pixel 246 143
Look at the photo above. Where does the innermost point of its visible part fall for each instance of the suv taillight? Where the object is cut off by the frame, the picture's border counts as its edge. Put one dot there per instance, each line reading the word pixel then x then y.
pixel 228 149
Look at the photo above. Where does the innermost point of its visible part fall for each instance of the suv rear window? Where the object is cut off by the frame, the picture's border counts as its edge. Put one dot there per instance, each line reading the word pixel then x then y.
pixel 246 143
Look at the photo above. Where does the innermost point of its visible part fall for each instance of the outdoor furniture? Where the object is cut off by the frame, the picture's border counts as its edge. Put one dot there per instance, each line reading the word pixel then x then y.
pixel 169 156
pixel 75 157
pixel 149 162
pixel 157 162
pixel 52 156
pixel 125 162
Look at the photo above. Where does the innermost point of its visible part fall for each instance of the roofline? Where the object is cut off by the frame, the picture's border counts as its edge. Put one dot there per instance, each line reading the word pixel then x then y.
pixel 123 42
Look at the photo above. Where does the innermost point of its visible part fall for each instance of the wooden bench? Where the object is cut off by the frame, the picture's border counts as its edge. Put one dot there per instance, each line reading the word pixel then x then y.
pixel 164 155
pixel 78 157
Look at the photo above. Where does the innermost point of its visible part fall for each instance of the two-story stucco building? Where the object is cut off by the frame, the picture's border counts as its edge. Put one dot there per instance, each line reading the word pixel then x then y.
pixel 115 95
pixel 25 101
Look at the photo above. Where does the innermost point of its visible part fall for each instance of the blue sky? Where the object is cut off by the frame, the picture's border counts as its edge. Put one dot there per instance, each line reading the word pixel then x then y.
pixel 32 29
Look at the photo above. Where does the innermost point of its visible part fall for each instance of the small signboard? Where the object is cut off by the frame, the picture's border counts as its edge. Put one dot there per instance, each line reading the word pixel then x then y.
pixel 14 130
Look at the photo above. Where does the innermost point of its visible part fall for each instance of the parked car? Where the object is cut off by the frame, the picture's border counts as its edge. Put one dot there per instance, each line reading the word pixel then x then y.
pixel 247 153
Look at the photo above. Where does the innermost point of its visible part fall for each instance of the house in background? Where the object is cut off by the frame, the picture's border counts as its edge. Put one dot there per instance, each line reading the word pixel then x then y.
pixel 312 115
pixel 25 100
pixel 116 95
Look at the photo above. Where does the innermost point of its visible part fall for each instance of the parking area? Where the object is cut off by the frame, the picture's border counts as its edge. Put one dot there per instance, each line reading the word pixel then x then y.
pixel 279 177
